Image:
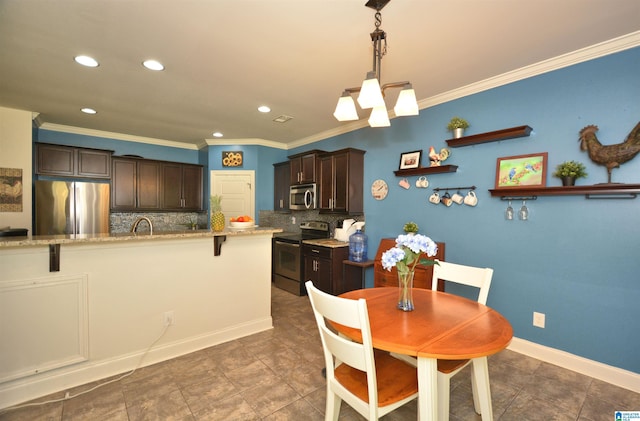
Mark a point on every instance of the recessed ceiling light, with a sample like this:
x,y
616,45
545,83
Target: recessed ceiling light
x,y
264,109
217,134
153,65
89,111
86,61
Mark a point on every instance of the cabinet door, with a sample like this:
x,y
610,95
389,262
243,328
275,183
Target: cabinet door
x,y
148,191
295,166
55,160
303,169
308,169
281,183
94,163
325,279
171,186
325,187
318,271
192,187
340,175
123,184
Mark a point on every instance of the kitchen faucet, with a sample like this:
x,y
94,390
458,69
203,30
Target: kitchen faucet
x,y
134,227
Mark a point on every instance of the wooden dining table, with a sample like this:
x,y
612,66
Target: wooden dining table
x,y
442,326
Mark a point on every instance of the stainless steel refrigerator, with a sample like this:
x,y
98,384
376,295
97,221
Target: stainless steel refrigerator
x,y
63,207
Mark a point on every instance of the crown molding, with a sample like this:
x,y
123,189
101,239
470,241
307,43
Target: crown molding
x,y
246,141
117,136
592,52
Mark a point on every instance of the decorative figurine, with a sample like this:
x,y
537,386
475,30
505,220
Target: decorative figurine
x,y
611,156
437,158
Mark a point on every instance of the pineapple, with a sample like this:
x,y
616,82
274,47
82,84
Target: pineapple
x,y
217,217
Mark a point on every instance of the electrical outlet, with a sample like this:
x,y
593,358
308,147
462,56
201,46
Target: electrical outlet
x,y
538,319
168,318
293,220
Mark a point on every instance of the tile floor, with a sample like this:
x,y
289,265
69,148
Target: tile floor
x,y
276,375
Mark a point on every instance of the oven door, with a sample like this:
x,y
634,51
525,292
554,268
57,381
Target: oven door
x,y
287,266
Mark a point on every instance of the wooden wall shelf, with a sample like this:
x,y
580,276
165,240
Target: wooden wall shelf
x,y
426,170
511,133
615,189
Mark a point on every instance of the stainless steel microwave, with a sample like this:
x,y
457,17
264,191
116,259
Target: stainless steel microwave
x,y
303,196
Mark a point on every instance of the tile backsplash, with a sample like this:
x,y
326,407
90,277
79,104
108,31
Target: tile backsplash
x,y
162,221
270,218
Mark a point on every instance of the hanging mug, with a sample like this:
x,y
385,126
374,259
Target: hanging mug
x,y
422,182
434,198
404,183
457,198
446,200
471,199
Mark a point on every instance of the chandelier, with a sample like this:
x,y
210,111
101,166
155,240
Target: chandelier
x,y
371,94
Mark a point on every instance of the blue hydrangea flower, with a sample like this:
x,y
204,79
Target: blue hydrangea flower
x,y
408,252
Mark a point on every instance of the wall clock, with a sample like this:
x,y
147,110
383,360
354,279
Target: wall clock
x,y
379,189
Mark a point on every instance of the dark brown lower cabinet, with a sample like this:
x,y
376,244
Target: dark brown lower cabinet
x,y
323,266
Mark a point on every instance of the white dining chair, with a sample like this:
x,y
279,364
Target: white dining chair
x,y
475,277
370,381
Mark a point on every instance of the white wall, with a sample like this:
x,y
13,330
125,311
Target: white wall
x,y
118,311
15,152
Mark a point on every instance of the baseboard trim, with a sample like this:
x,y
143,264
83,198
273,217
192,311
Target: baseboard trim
x,y
28,388
616,376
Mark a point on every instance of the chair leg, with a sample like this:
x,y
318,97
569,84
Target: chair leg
x,y
332,409
474,390
444,390
481,374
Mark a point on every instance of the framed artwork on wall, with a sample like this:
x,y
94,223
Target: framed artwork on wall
x,y
522,171
232,159
410,160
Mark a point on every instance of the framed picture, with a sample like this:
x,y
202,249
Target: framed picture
x,y
232,158
522,171
410,160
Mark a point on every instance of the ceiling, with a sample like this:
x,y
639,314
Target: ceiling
x,y
224,58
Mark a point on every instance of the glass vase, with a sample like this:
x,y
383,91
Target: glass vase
x,y
405,291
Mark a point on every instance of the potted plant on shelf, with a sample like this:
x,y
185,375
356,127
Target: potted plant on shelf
x,y
410,228
457,126
569,171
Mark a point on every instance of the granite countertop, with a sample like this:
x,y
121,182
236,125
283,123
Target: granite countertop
x,y
326,242
39,240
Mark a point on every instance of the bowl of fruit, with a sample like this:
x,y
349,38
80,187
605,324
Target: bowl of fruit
x,y
243,221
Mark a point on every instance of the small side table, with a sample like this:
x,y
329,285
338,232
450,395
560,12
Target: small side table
x,y
355,270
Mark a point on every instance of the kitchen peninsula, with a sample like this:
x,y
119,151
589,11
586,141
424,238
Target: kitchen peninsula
x,y
113,296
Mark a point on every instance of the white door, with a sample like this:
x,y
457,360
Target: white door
x,y
237,191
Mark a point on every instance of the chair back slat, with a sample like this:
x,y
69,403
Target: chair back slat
x,y
465,275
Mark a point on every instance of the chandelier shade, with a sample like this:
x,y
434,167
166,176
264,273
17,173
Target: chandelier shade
x,y
346,108
379,117
371,95
406,104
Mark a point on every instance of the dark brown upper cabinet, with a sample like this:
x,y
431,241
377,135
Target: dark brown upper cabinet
x,y
69,161
304,167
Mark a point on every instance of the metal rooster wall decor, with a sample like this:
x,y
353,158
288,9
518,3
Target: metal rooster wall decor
x,y
611,156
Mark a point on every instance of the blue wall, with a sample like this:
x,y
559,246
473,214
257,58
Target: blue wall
x,y
576,260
